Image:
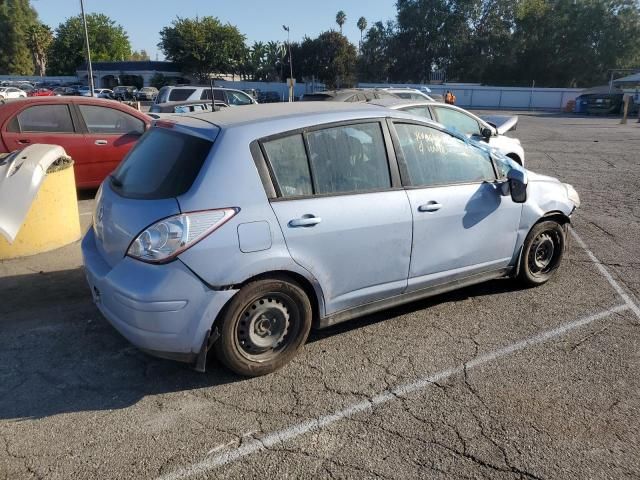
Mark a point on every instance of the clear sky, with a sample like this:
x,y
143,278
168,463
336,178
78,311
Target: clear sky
x,y
258,20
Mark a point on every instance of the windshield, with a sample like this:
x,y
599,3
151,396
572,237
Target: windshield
x,y
163,164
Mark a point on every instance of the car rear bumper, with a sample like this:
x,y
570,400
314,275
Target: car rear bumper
x,y
164,310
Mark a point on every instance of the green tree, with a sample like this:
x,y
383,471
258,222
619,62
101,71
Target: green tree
x,y
108,42
201,46
362,26
330,57
341,18
139,56
39,40
16,17
375,58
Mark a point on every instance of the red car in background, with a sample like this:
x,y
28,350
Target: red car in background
x,y
96,133
40,92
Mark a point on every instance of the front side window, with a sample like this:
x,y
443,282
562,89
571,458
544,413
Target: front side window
x,y
110,121
434,158
349,158
457,120
289,162
46,118
420,111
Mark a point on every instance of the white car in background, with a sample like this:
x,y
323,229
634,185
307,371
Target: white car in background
x,y
12,92
489,129
409,94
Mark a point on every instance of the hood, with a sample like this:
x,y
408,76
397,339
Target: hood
x,y
502,123
537,177
21,174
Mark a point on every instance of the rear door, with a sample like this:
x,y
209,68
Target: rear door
x,y
342,210
110,134
45,123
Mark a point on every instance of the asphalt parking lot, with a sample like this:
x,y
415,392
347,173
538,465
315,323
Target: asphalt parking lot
x,y
492,381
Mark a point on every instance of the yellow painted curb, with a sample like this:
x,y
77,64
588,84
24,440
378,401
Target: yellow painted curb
x,y
52,221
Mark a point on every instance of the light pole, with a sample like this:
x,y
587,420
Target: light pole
x,y
86,40
286,29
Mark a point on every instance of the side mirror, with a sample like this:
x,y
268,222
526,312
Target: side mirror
x,y
486,132
517,185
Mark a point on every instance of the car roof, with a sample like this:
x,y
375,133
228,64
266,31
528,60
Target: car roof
x,y
395,103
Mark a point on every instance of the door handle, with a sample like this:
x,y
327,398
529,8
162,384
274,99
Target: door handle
x,y
100,142
24,141
431,206
305,221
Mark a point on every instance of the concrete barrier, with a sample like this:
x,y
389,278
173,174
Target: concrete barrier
x,y
52,221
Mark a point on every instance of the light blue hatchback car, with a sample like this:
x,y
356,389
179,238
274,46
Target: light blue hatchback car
x,y
237,231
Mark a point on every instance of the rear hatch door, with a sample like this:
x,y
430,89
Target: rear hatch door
x,y
163,165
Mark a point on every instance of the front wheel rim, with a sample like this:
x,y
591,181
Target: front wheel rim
x,y
544,253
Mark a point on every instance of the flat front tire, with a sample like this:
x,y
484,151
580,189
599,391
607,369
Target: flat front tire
x,y
542,253
263,327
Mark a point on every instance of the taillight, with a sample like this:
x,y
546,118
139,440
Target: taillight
x,y
167,238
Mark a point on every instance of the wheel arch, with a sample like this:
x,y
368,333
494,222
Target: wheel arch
x,y
556,215
313,291
515,157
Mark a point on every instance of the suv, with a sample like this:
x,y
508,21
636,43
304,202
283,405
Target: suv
x,y
238,232
230,96
124,92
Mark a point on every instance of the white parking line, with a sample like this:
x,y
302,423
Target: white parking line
x,y
281,436
605,273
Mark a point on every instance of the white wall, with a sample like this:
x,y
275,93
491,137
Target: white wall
x,y
477,96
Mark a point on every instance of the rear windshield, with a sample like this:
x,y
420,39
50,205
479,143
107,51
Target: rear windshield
x,y
163,164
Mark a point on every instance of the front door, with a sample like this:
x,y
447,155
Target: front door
x,y
341,218
463,223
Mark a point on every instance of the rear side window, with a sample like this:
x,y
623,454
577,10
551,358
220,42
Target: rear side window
x,y
110,121
217,95
180,94
163,164
46,118
289,162
349,158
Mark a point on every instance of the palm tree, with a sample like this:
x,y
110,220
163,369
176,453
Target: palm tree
x,y
362,25
341,17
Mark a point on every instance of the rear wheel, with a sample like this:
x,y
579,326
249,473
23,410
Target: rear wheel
x,y
542,253
263,327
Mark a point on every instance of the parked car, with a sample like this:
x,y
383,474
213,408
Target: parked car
x,y
11,92
184,107
40,92
269,96
604,103
67,91
347,95
96,133
147,93
124,92
104,93
230,96
238,231
409,93
489,129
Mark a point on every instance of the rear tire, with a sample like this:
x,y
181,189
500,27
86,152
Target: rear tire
x,y
542,253
263,327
